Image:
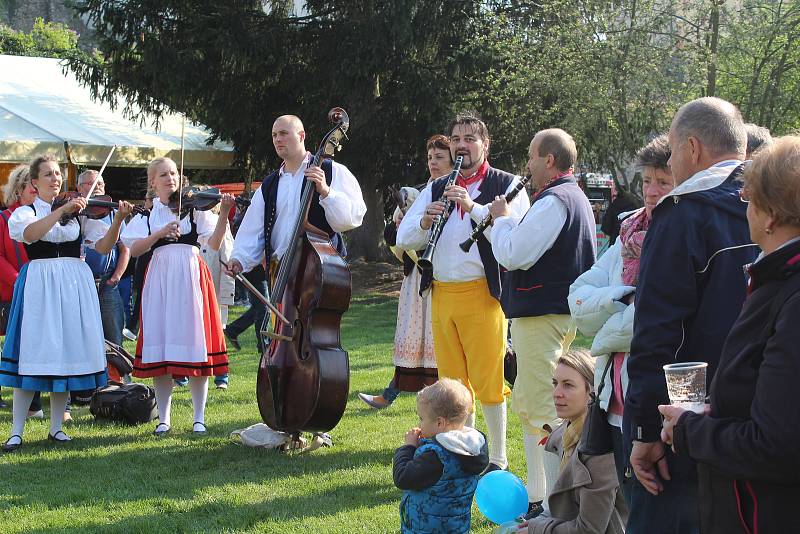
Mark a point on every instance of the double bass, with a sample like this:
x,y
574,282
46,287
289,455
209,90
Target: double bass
x,y
304,374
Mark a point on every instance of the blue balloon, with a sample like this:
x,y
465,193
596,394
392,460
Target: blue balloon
x,y
501,496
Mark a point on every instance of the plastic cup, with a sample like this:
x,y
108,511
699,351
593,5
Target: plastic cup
x,y
686,385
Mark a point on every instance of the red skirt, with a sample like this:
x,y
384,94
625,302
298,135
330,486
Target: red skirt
x,y
217,356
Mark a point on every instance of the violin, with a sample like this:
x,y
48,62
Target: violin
x,y
304,374
196,198
97,207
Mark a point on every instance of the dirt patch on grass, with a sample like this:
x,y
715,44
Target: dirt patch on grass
x,y
376,277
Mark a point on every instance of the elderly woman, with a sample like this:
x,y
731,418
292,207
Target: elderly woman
x,y
746,443
586,496
414,360
17,192
601,299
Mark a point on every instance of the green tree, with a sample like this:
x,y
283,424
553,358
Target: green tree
x,y
759,63
46,39
235,66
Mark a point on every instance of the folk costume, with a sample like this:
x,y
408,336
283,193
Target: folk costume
x,y
266,229
54,337
544,253
181,331
469,327
414,356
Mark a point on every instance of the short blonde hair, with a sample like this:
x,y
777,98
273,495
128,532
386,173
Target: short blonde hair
x,y
772,181
446,398
18,179
582,361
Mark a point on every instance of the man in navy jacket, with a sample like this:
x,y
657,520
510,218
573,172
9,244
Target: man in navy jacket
x,y
691,289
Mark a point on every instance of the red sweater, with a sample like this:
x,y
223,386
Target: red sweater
x,y
9,266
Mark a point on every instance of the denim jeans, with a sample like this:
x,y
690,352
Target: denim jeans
x,y
221,379
111,312
125,287
254,315
391,392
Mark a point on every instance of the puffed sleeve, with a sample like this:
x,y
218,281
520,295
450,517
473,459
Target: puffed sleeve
x,y
344,206
19,220
135,230
206,221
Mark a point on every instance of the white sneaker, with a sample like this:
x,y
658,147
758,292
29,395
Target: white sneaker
x,y
222,385
128,334
36,415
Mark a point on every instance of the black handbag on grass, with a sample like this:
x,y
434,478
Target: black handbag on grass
x,y
596,438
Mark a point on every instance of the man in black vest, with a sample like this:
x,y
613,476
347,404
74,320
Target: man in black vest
x,y
266,229
544,253
468,323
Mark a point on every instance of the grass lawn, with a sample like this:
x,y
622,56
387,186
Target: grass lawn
x,y
115,478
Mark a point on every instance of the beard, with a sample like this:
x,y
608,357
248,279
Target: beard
x,y
467,162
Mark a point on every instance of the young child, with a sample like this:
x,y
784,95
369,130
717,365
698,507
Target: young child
x,y
439,465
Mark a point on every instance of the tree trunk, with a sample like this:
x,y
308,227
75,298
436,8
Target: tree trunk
x,y
711,87
363,242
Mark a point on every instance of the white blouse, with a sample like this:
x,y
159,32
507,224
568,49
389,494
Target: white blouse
x,y
344,210
25,215
160,216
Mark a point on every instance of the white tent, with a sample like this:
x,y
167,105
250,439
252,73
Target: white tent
x,y
42,107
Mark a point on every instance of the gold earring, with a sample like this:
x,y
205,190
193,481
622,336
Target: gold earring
x,y
768,230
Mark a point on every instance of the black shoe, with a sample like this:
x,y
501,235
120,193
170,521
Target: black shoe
x,y
162,429
233,341
11,447
199,431
55,437
534,509
3,404
493,467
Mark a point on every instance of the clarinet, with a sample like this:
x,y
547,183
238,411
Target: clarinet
x,y
484,224
425,261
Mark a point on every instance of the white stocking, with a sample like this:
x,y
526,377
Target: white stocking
x,y
198,385
495,417
58,404
534,456
470,422
163,387
22,401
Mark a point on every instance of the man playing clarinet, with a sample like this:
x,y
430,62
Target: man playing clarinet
x,y
469,326
544,253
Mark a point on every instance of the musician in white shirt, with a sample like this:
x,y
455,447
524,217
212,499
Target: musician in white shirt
x,y
267,227
469,327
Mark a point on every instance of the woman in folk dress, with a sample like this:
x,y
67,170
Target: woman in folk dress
x,y
47,349
181,331
414,360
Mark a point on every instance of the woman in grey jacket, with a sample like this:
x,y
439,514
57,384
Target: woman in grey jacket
x,y
586,497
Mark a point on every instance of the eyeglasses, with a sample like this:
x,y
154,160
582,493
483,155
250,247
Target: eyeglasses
x,y
744,195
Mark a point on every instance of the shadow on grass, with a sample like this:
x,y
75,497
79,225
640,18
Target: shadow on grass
x,y
211,516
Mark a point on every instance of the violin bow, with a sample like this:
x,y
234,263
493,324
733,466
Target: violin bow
x,y
180,174
246,283
99,174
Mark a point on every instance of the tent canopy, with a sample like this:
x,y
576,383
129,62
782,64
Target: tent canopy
x,y
41,108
